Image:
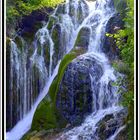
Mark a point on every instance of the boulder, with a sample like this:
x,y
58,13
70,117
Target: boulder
x,y
122,135
46,115
83,38
107,126
109,47
74,98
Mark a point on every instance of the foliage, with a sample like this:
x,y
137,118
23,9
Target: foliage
x,y
18,8
125,41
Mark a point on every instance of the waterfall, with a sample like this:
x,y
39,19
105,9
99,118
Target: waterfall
x,y
24,69
22,75
107,100
31,65
24,125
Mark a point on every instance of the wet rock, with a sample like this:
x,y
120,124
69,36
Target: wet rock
x,y
59,49
122,135
29,24
83,11
74,98
52,21
32,22
46,115
61,9
83,38
110,124
109,43
8,66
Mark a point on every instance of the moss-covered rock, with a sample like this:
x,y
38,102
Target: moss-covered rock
x,y
52,21
74,97
59,49
61,9
83,38
47,116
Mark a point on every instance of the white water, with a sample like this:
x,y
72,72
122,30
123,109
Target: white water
x,y
99,14
29,71
107,101
87,129
25,124
22,79
44,37
116,133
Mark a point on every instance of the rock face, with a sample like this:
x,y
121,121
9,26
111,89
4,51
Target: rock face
x,y
122,135
38,50
83,38
47,116
29,24
8,66
59,49
109,45
110,124
74,98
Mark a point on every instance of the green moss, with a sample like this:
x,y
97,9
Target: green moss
x,y
56,38
78,40
47,54
30,51
52,21
83,37
47,116
55,85
28,135
39,49
19,43
7,41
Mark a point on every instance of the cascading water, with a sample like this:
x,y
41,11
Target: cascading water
x,y
107,100
94,15
21,83
22,76
29,72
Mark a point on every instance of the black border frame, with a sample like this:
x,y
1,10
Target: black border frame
x,y
3,45
137,62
